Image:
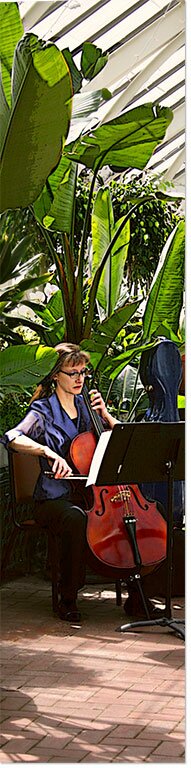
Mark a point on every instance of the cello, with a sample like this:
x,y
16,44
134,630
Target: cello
x,y
126,533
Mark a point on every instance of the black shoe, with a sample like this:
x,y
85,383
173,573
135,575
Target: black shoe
x,y
68,611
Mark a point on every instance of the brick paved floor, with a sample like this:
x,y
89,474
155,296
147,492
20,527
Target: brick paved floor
x,y
87,693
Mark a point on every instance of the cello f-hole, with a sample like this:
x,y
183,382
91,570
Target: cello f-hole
x,y
142,506
100,512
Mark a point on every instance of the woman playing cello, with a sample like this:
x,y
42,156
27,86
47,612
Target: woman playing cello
x,y
56,415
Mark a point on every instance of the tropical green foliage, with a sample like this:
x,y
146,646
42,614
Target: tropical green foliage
x,y
151,223
16,224
11,32
67,308
51,316
103,230
160,317
87,289
24,366
126,141
37,86
41,89
12,409
168,282
19,274
132,132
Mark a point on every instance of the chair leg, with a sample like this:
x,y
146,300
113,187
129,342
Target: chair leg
x,y
8,551
54,597
53,552
29,548
118,592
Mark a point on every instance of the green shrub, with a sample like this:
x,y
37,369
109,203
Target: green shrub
x,y
12,410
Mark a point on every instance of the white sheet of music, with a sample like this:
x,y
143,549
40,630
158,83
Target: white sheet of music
x,y
98,456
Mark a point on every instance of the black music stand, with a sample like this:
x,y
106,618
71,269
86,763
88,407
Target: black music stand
x,y
148,452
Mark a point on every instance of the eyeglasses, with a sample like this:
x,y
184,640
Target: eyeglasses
x,y
75,374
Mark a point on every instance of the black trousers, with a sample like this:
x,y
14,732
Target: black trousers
x,y
68,523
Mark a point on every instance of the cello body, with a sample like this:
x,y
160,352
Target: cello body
x,y
114,512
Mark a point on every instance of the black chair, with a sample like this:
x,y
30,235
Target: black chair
x,y
23,473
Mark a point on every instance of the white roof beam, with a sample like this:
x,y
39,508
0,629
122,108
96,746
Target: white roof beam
x,y
38,11
177,125
84,14
140,47
163,77
173,169
142,78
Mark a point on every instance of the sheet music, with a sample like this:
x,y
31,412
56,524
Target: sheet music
x,y
98,456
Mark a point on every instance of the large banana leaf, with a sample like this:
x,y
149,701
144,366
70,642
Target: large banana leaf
x,y
49,312
10,322
106,332
92,60
17,277
84,104
164,329
116,364
127,141
55,206
165,298
15,293
52,315
11,336
25,365
5,112
12,260
11,32
103,229
38,123
96,279
75,73
24,269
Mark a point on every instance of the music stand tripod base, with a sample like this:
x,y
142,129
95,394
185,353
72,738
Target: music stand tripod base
x,y
173,624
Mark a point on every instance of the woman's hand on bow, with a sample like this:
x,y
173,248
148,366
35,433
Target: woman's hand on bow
x,y
59,466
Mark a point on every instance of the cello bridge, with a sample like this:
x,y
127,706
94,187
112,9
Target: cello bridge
x,y
123,495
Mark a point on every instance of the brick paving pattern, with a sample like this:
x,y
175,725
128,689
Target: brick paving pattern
x,y
86,693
